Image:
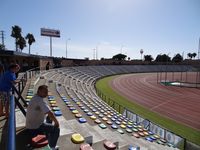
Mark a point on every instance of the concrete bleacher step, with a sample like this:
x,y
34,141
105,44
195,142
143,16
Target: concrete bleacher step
x,y
111,136
126,140
85,130
65,129
20,118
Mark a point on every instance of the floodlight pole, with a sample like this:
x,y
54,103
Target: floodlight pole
x,y
121,49
96,52
66,45
51,46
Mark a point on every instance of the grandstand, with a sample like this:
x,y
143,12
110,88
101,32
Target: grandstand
x,y
83,112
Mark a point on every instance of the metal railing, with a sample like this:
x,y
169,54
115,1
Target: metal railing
x,y
11,145
14,100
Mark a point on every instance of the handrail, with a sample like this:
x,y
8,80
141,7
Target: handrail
x,y
11,134
11,144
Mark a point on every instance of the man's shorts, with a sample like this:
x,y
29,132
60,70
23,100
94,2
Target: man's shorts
x,y
4,97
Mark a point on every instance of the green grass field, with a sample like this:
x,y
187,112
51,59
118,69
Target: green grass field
x,y
189,133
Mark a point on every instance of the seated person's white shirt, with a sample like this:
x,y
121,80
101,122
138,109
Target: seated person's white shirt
x,y
36,112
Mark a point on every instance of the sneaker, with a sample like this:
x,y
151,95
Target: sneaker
x,y
55,148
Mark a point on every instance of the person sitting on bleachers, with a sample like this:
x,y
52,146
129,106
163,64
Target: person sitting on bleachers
x,y
35,117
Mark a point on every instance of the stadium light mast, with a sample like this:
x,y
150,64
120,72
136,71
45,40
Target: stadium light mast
x,y
67,45
94,53
121,49
141,52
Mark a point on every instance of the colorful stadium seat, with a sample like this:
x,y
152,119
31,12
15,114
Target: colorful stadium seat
x,y
58,113
86,146
109,145
102,126
77,138
120,131
82,120
39,141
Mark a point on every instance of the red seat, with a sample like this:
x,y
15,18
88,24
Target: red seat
x,y
109,145
86,146
39,141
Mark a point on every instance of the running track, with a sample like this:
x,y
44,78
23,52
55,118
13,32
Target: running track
x,y
178,103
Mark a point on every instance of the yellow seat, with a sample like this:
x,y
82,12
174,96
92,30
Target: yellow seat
x,y
75,111
52,102
156,136
29,97
124,123
77,138
93,117
122,126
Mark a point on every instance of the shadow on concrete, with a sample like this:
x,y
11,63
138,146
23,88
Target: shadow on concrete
x,y
23,139
4,130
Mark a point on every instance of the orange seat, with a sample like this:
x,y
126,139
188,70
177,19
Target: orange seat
x,y
39,141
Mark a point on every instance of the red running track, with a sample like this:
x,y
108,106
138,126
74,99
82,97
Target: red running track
x,y
178,103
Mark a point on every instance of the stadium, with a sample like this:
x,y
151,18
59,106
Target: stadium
x,y
108,104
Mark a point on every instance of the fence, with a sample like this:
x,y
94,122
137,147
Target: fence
x,y
186,79
169,136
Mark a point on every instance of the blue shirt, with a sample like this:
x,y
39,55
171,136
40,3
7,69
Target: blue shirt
x,y
6,81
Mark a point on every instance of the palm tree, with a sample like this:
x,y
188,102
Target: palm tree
x,y
190,55
30,39
21,42
194,55
16,33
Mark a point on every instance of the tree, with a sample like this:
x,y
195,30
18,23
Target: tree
x,y
2,47
163,58
194,55
21,42
30,39
177,58
16,33
148,58
189,55
119,57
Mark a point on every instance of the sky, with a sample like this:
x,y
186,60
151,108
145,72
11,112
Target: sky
x,y
108,26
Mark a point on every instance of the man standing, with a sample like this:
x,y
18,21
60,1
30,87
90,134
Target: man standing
x,y
35,116
6,82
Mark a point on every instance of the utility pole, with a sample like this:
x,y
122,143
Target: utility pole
x,y
199,50
67,45
96,52
2,38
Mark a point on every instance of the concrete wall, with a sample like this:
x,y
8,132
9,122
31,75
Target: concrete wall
x,y
191,146
44,63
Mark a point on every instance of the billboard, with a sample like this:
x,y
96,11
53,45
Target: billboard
x,y
50,32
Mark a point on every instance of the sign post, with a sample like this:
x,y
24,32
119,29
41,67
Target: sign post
x,y
50,33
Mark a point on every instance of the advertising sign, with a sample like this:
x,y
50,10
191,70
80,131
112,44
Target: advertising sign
x,y
50,32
